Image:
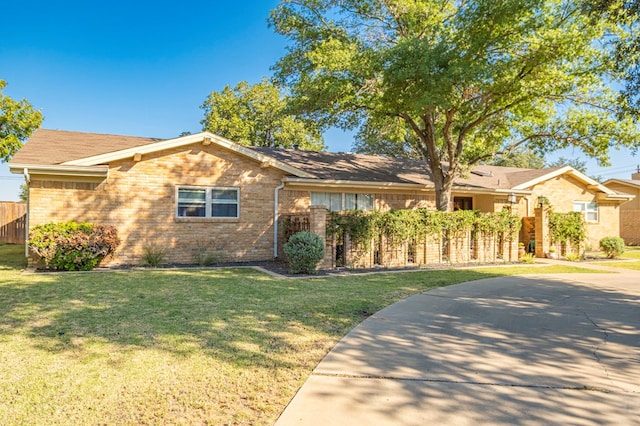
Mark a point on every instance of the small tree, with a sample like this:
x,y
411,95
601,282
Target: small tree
x,y
304,251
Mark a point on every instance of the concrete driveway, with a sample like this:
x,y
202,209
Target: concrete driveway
x,y
547,349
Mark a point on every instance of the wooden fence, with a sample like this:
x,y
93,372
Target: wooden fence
x,y
13,222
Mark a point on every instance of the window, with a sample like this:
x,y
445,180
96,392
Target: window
x,y
463,203
208,202
336,201
589,210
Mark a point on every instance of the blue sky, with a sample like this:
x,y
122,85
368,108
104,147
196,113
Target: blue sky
x,y
144,68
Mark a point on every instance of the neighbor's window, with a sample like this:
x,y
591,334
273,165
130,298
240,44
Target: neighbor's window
x,y
336,201
208,202
589,210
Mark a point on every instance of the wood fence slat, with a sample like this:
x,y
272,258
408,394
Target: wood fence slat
x,y
13,222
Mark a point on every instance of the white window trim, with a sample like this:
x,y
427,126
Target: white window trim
x,y
585,212
208,201
343,198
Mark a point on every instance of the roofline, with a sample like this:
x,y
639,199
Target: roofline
x,y
341,183
205,137
59,170
623,182
564,170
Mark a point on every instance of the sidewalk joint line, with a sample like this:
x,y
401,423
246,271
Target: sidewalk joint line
x,y
461,382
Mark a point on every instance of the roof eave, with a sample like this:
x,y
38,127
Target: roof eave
x,y
59,170
342,183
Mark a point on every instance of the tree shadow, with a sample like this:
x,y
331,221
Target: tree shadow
x,y
519,349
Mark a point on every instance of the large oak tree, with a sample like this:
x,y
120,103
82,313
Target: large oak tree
x,y
454,82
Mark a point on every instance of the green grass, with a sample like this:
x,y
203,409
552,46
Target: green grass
x,y
179,346
631,259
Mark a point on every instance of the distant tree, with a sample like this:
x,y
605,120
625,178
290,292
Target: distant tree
x,y
577,163
258,116
18,120
187,133
24,193
522,157
456,82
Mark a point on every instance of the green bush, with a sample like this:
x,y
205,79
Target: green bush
x,y
528,258
304,251
72,246
612,246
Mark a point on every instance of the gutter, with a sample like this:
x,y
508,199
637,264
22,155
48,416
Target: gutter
x,y
27,179
275,219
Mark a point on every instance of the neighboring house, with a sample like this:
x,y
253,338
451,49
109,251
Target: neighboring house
x,y
202,192
629,212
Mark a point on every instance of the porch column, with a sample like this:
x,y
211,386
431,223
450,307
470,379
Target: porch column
x,y
542,231
318,225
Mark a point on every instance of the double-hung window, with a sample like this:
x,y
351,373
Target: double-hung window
x,y
212,202
336,201
588,209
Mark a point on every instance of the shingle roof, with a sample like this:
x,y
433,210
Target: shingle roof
x,y
46,147
373,168
55,147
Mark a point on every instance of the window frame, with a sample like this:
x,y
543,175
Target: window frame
x,y
584,209
209,201
343,199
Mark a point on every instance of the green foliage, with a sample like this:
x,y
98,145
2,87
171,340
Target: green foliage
x,y
153,255
613,247
257,116
523,157
72,246
17,121
528,258
573,256
24,192
419,224
567,228
456,82
304,251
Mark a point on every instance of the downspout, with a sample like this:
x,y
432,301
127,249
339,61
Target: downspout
x,y
275,219
27,179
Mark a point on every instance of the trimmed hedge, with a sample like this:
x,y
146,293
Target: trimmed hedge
x,y
72,246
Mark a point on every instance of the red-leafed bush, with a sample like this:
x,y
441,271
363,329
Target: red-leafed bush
x,y
72,246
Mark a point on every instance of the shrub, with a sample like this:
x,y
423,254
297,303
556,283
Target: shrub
x,y
153,255
304,251
72,246
612,246
528,258
572,257
207,259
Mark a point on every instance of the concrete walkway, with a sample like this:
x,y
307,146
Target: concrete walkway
x,y
530,350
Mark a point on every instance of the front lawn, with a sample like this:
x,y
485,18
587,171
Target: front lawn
x,y
217,346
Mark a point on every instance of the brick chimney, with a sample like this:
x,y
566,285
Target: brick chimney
x,y
636,175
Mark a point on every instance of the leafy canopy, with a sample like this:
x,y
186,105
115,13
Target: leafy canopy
x,y
18,120
257,115
454,83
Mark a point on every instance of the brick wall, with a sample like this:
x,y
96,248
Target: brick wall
x,y
562,191
139,199
630,226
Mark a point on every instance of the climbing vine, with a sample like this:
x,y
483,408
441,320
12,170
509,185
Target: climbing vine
x,y
419,224
567,227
